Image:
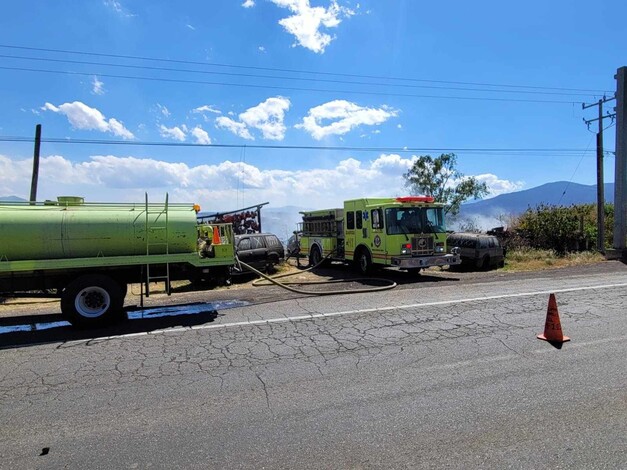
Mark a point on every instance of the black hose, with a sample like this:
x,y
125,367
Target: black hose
x,y
268,280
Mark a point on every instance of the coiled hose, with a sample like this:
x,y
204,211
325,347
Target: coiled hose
x,y
269,280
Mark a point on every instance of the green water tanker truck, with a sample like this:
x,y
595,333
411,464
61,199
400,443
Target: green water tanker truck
x,y
86,254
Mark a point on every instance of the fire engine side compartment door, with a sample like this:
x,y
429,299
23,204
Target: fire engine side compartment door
x,y
349,230
377,236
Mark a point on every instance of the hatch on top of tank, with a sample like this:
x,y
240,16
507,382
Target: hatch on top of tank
x,y
70,200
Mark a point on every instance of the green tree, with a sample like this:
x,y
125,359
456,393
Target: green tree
x,y
438,177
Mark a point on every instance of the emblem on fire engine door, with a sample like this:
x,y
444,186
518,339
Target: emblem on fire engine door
x,y
377,241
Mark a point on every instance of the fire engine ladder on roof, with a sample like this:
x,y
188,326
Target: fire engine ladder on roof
x,y
157,243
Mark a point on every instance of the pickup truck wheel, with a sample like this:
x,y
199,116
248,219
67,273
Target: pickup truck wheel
x,y
92,300
273,260
364,262
485,265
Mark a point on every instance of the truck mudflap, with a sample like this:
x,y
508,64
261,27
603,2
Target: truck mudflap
x,y
412,262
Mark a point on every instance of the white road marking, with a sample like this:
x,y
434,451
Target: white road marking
x,y
350,312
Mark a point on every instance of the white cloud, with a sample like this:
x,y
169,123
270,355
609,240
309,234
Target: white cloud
x,y
498,186
262,49
190,27
237,128
117,7
207,108
216,186
266,117
97,87
392,164
201,135
345,116
83,117
175,133
165,111
248,3
306,22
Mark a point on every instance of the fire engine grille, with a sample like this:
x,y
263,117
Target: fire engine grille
x,y
422,245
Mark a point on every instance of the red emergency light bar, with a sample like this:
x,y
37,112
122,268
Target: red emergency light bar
x,y
415,199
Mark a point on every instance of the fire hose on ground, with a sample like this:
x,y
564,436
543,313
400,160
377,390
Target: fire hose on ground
x,y
269,280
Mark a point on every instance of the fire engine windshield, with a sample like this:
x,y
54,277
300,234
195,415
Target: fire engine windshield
x,y
414,220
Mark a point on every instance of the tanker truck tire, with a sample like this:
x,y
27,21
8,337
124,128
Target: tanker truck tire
x,y
92,300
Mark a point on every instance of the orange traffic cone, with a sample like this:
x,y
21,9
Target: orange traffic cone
x,y
553,327
216,236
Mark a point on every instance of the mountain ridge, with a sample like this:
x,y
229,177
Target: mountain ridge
x,y
557,193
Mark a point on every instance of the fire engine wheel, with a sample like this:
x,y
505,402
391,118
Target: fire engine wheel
x,y
364,262
315,257
92,300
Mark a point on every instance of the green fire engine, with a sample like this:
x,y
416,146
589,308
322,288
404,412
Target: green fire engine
x,y
405,232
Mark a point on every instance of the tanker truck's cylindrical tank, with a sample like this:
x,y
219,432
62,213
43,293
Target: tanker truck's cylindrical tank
x,y
81,230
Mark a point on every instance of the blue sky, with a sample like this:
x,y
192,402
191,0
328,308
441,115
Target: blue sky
x,y
312,73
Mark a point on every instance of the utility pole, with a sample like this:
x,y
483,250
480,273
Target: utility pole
x,y
620,178
600,179
33,184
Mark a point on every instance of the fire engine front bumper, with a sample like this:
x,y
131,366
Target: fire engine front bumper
x,y
413,262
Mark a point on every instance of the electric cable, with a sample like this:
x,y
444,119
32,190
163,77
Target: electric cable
x,y
284,88
338,74
210,72
574,172
512,151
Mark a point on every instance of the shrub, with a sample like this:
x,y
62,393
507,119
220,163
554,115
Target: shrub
x,y
563,229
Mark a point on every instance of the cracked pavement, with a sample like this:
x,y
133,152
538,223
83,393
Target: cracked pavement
x,y
389,386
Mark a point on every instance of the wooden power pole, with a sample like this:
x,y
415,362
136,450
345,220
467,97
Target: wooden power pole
x,y
33,184
600,179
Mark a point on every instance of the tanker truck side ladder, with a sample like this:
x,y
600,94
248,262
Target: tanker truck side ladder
x,y
160,225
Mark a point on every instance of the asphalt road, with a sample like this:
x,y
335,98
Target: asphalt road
x,y
440,373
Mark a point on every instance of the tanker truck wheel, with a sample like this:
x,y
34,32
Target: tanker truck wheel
x,y
92,300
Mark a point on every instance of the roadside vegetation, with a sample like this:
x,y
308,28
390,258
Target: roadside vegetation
x,y
561,229
555,236
533,259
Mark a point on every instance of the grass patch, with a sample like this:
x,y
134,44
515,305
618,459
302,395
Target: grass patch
x,y
536,260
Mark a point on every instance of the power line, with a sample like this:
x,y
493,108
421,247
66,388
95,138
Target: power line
x,y
283,88
516,151
273,77
574,172
337,74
